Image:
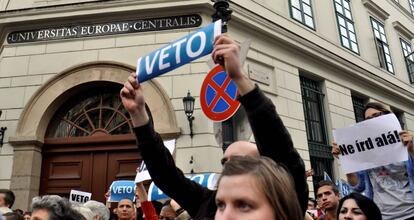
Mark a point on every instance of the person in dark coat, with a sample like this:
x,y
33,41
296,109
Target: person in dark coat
x,y
272,138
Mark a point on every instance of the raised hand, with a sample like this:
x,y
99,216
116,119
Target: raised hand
x,y
132,96
335,150
226,52
407,139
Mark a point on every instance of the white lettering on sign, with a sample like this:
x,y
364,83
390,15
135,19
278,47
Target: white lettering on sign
x,y
163,56
202,37
123,189
177,46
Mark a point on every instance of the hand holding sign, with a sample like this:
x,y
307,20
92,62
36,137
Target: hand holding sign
x,y
178,53
372,143
227,53
132,97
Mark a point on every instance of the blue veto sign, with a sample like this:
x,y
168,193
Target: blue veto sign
x,y
122,189
218,96
178,53
208,180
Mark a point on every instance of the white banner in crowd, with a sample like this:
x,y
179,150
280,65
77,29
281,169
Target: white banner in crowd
x,y
142,172
371,143
79,196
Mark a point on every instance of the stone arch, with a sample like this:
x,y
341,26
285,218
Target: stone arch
x,y
40,109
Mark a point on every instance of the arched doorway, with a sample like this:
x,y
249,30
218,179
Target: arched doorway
x,y
89,143
36,142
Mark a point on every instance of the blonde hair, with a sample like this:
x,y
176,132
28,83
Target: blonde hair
x,y
272,179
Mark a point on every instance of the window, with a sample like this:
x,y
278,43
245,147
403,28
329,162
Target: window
x,y
346,25
409,58
411,3
91,114
400,116
319,150
301,10
359,105
383,49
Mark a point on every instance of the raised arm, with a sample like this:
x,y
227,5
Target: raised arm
x,y
272,138
158,159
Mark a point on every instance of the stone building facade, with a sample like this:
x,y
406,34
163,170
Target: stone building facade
x,y
319,62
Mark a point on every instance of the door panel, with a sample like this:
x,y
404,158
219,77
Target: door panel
x,y
86,171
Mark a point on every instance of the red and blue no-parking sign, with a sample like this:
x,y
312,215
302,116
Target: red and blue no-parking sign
x,y
218,96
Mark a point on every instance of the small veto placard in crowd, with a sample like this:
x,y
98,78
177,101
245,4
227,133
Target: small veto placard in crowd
x,y
79,196
142,171
178,53
208,180
122,189
371,143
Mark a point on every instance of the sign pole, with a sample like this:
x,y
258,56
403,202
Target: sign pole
x,y
223,12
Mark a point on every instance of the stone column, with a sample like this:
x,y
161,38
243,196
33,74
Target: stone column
x,y
25,179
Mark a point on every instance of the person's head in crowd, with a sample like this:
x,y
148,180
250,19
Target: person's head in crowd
x,y
18,211
311,204
84,211
256,188
240,148
13,216
125,209
53,207
167,212
358,207
99,209
375,109
27,215
328,195
6,198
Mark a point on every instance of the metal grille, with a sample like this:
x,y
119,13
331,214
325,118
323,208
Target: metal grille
x,y
95,113
319,150
358,104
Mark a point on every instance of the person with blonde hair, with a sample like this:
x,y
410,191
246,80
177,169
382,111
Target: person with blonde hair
x,y
256,188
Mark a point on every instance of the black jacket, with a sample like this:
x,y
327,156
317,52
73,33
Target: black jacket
x,y
272,139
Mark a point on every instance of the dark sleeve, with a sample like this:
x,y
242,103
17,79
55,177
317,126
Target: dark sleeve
x,y
273,139
165,174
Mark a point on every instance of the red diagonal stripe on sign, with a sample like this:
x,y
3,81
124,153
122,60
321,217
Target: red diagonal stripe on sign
x,y
220,93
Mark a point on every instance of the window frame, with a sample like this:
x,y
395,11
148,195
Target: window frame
x,y
407,54
346,20
319,151
302,13
358,105
411,3
382,46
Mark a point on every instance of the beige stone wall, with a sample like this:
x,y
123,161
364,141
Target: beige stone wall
x,y
281,49
340,114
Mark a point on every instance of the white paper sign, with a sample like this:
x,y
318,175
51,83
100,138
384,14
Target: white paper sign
x,y
79,196
142,172
371,143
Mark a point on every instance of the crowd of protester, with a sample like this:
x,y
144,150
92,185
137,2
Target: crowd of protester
x,y
265,180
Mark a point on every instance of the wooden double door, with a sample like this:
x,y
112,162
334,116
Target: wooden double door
x,y
89,167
